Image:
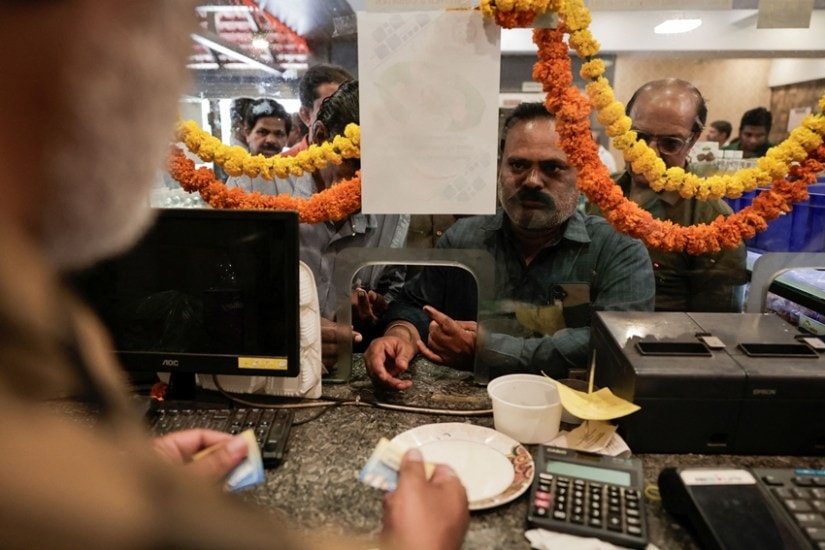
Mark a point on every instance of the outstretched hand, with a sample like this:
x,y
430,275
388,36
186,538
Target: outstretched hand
x,y
451,342
425,514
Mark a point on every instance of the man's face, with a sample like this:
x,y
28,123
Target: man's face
x,y
713,134
309,116
752,137
537,186
664,118
268,136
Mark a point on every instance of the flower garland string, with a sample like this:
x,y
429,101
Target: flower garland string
x,y
611,113
572,110
236,161
801,156
333,204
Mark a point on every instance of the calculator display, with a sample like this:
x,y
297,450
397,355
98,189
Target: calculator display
x,y
601,475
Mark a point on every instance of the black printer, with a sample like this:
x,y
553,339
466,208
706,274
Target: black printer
x,y
737,383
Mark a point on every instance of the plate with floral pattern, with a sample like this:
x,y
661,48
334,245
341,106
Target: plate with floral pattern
x,y
494,468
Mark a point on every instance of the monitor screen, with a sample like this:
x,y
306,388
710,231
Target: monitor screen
x,y
205,291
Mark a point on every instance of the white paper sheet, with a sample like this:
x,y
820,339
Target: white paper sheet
x,y
429,84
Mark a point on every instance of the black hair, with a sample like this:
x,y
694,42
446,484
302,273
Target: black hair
x,y
260,108
759,116
316,76
340,109
701,106
722,126
523,111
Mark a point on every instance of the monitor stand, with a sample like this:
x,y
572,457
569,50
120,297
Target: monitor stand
x,y
181,387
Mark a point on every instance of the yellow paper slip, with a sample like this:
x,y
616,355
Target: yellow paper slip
x,y
599,405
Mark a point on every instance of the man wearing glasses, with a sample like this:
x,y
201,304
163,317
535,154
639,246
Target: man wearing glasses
x,y
669,115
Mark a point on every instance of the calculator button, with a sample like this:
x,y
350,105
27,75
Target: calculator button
x,y
541,512
634,521
560,515
632,513
595,522
803,481
632,505
797,505
801,493
782,492
810,520
816,534
818,505
635,531
772,480
614,523
577,518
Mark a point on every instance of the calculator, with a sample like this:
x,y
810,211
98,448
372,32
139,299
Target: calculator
x,y
589,495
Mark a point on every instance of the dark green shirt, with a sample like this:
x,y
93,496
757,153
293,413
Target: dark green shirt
x,y
685,282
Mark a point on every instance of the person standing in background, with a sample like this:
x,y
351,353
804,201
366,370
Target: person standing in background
x,y
669,115
719,131
753,134
267,127
105,78
318,83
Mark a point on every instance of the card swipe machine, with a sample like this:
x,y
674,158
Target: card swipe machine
x,y
734,509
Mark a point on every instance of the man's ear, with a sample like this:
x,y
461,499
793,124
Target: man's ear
x,y
305,114
318,133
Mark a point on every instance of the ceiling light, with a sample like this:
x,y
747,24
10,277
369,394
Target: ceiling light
x,y
260,42
674,26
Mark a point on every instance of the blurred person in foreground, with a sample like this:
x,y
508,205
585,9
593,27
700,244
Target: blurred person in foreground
x,y
72,197
554,266
669,115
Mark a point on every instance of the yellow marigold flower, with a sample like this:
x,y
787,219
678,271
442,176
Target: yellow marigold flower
x,y
583,42
592,69
620,127
815,122
807,138
675,178
611,113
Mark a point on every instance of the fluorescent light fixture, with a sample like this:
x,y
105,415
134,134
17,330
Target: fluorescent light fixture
x,y
228,51
675,26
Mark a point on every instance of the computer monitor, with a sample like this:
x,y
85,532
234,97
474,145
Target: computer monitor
x,y
205,291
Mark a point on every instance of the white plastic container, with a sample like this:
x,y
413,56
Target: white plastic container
x,y
526,407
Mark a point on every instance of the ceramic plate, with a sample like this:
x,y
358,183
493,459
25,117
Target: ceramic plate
x,y
494,468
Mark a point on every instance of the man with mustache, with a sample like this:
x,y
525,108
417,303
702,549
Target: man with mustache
x,y
554,266
267,127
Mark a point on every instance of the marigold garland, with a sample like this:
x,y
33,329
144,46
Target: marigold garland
x,y
333,204
611,113
572,109
801,156
236,161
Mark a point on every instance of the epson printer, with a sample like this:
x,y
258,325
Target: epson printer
x,y
738,383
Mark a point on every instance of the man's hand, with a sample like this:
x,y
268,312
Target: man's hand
x,y
329,341
451,342
181,447
425,515
389,356
367,307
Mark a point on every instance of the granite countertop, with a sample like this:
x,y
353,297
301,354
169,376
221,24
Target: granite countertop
x,y
316,485
317,482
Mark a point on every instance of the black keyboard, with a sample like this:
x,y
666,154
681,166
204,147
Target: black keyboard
x,y
271,426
